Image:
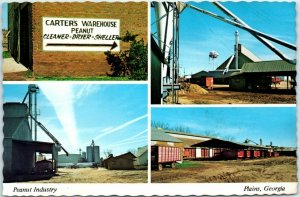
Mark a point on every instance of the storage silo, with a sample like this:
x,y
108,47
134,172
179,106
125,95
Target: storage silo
x,y
16,121
17,157
97,154
89,152
93,154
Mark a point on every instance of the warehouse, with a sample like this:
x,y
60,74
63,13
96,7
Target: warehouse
x,y
142,156
221,77
194,146
260,74
188,140
250,73
70,158
70,38
121,162
223,149
90,158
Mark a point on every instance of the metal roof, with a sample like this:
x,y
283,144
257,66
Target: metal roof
x,y
269,66
43,147
219,143
160,135
244,56
127,155
185,133
141,151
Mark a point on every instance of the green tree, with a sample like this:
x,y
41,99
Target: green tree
x,y
132,62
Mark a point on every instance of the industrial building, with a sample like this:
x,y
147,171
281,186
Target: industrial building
x,y
20,142
142,156
90,158
221,77
121,162
250,72
20,149
193,146
70,38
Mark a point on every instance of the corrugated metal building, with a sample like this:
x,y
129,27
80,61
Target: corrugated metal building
x,y
244,56
19,148
71,158
224,149
251,72
188,140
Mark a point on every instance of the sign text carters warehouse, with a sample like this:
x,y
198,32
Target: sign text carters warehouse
x,y
80,34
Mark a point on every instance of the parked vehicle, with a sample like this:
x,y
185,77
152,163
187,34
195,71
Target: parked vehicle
x,y
162,156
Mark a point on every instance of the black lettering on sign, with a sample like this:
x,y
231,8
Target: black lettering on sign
x,y
81,36
61,22
106,37
99,23
82,30
56,36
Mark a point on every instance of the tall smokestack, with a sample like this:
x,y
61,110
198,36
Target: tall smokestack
x,y
236,49
260,141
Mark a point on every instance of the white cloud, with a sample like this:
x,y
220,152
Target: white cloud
x,y
135,136
115,129
62,99
86,90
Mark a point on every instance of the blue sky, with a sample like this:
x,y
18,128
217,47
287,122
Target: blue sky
x,y
276,124
4,15
115,116
200,34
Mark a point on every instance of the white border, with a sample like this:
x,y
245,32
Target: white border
x,y
151,189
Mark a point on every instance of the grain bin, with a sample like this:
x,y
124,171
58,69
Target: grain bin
x,y
96,154
89,152
93,154
16,121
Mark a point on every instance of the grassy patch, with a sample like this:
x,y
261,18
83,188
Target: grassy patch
x,y
99,78
189,164
6,54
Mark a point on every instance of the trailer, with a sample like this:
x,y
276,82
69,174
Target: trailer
x,y
162,156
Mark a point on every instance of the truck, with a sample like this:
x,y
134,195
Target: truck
x,y
162,156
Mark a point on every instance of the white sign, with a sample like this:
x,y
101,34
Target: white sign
x,y
80,34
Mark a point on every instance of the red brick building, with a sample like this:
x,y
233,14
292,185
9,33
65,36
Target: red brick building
x,y
29,30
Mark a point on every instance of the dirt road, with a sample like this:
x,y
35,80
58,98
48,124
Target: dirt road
x,y
223,95
97,175
280,169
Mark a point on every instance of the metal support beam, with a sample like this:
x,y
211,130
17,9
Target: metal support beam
x,y
49,134
261,39
278,41
35,114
